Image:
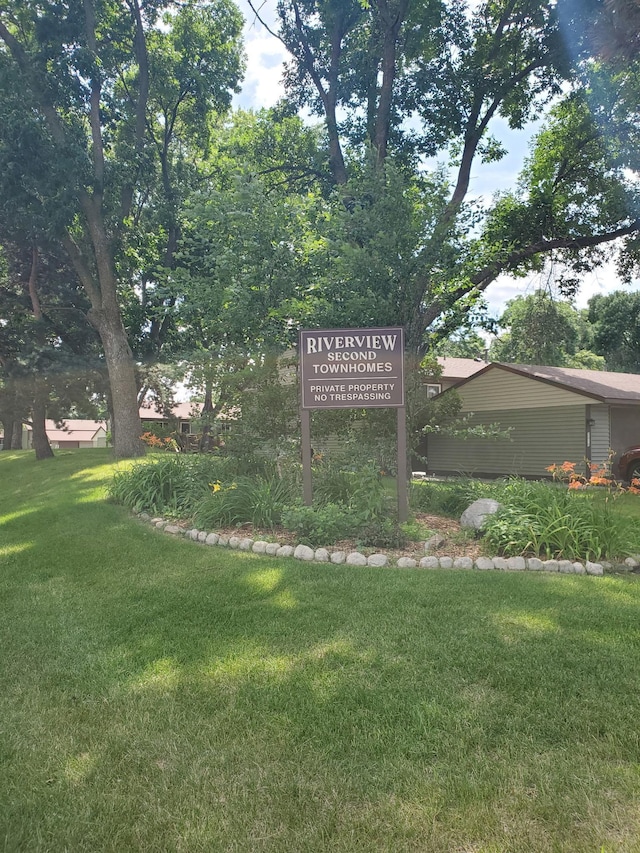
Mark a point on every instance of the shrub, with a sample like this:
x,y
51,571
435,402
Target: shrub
x,y
451,497
172,484
259,501
362,489
382,533
550,522
320,525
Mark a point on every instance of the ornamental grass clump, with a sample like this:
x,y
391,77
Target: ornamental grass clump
x,y
170,484
260,501
549,521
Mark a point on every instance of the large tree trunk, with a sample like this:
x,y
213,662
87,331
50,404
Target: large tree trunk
x,y
39,435
126,428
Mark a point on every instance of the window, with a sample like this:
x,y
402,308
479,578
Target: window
x,y
432,390
185,427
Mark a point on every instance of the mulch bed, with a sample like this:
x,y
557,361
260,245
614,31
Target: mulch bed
x,y
457,543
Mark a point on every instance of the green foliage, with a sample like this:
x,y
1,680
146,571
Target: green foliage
x,y
451,497
550,522
260,501
382,532
172,484
544,330
320,525
616,325
360,487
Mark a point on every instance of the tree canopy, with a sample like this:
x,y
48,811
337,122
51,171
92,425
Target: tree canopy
x,y
201,235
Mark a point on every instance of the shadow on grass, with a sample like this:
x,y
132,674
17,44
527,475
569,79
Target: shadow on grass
x,y
197,698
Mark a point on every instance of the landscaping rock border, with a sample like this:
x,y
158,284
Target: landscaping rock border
x,y
355,558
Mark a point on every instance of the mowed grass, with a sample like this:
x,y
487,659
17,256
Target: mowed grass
x,y
157,695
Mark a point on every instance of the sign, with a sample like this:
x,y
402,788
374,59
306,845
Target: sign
x,y
352,368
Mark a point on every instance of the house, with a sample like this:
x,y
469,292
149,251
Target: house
x,y
71,434
74,434
554,414
183,418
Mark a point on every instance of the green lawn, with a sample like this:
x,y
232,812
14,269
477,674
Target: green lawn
x,y
157,695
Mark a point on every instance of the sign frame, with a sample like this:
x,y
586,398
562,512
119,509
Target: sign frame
x,y
353,369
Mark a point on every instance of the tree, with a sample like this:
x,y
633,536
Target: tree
x,y
616,329
49,358
544,330
395,82
93,101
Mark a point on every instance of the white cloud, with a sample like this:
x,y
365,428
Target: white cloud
x,y
262,85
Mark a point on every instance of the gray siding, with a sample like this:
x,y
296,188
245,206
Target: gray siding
x,y
600,434
539,437
500,389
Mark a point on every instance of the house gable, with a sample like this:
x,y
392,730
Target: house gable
x,y
496,387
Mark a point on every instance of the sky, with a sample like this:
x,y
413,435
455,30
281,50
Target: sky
x,y
262,87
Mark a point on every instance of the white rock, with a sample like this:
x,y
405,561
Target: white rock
x,y
406,563
516,564
446,562
378,560
355,558
246,544
303,552
631,562
463,563
551,566
579,569
212,539
534,564
593,568
565,567
193,534
500,563
338,557
161,523
272,548
202,536
234,542
259,547
484,563
285,551
429,563
475,514
173,529
321,555
223,540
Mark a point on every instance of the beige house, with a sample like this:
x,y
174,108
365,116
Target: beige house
x,y
183,419
554,414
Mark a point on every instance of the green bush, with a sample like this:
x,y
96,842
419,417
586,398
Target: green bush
x,y
173,485
360,489
320,525
550,522
451,497
260,501
381,533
